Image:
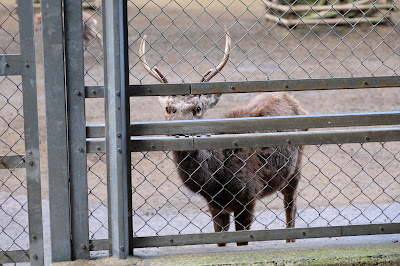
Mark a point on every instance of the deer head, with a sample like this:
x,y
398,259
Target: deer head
x,y
186,107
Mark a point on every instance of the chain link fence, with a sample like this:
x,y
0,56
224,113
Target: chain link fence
x,y
9,43
341,184
94,75
13,184
185,38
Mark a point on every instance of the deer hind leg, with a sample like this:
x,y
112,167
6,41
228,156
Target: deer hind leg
x,y
221,221
243,219
289,199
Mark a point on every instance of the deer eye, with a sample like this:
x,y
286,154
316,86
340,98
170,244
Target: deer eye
x,y
198,110
168,110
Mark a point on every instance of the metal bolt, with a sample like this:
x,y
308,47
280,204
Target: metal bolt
x,y
117,93
35,257
288,141
365,83
119,134
232,87
121,248
366,138
94,92
148,90
251,236
98,148
382,229
171,240
235,144
304,233
29,152
177,136
152,146
30,163
119,150
83,246
286,86
77,92
34,237
7,65
80,149
26,65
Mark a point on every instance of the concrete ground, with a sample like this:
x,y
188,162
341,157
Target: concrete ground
x,y
365,250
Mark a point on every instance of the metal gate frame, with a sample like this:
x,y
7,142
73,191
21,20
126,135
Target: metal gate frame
x,y
24,65
66,129
118,137
66,141
140,142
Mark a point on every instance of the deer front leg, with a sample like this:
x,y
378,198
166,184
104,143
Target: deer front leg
x,y
243,219
221,221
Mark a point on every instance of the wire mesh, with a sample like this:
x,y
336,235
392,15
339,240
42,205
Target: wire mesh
x,y
343,184
185,38
97,185
13,186
9,32
270,40
94,75
93,52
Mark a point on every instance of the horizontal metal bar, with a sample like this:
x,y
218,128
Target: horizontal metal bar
x,y
144,90
11,65
295,85
234,141
265,235
254,86
161,89
12,162
255,235
95,130
99,244
96,145
253,124
14,256
94,91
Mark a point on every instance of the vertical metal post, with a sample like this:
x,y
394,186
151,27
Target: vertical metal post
x,y
31,132
73,30
117,127
57,151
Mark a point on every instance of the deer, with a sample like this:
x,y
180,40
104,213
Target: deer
x,y
231,180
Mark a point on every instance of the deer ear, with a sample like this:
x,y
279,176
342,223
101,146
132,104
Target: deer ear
x,y
163,100
210,100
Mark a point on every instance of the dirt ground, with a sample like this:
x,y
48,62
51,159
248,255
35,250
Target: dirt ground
x,y
342,177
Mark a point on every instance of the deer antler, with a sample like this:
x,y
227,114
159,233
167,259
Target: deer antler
x,y
214,71
154,72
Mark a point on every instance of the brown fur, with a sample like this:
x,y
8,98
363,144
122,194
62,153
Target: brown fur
x,y
231,180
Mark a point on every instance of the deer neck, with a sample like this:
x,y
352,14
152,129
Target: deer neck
x,y
196,169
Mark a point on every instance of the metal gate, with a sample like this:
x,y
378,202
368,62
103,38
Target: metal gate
x,y
347,156
21,231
